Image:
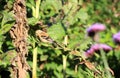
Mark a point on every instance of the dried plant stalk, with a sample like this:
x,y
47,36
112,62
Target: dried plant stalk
x,y
19,33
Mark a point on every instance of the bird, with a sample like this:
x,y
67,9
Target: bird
x,y
43,36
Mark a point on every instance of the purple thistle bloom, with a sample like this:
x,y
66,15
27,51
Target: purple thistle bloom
x,y
97,48
105,47
89,53
92,30
116,38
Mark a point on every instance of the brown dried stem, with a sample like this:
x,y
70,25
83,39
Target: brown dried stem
x,y
19,33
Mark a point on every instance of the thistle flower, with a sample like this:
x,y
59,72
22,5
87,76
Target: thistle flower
x,y
116,38
105,47
97,27
97,48
89,53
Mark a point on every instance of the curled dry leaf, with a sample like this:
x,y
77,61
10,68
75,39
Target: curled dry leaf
x,y
42,66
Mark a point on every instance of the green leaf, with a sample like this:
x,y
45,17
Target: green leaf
x,y
43,57
82,15
7,17
32,21
30,2
58,52
6,28
56,31
50,7
7,57
58,74
51,65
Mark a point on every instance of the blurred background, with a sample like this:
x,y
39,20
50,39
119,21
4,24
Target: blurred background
x,y
64,25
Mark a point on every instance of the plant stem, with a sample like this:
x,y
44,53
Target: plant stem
x,y
37,8
105,64
64,66
34,74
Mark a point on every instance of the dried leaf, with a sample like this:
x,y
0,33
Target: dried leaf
x,y
91,66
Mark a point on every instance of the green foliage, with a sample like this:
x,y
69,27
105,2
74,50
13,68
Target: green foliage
x,y
7,22
59,18
7,57
59,32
